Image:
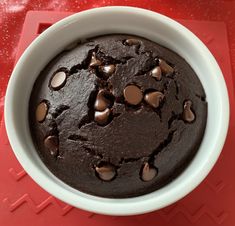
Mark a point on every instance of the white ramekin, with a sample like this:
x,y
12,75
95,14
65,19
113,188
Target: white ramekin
x,y
108,20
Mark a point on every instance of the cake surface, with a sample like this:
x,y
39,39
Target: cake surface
x,y
117,116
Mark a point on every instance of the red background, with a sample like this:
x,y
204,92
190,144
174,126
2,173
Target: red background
x,y
22,202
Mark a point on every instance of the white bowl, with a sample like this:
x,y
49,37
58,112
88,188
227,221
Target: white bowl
x,y
155,27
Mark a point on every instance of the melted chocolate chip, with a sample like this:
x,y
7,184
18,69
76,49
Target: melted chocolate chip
x,y
58,80
41,111
188,115
94,61
157,73
148,172
101,102
165,67
107,70
101,117
131,42
52,144
106,172
133,94
154,98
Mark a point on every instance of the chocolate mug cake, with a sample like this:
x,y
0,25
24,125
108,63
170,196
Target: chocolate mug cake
x,y
117,115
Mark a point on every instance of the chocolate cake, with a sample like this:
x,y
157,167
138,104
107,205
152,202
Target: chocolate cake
x,y
117,115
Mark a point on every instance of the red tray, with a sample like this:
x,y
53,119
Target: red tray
x,y
212,203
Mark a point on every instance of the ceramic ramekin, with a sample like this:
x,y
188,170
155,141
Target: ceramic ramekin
x,y
155,27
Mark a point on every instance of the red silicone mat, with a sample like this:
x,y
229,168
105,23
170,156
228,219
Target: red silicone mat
x,y
23,202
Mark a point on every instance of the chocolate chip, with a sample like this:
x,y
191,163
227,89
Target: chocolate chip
x,y
101,102
133,94
94,61
157,73
148,172
58,80
107,69
165,67
154,98
41,111
106,172
188,115
52,144
101,117
131,41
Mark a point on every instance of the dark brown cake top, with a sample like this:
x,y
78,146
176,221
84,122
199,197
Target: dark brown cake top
x,y
117,116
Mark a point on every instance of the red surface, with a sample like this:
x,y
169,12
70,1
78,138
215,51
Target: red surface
x,y
22,202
